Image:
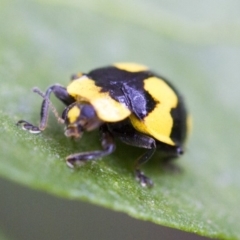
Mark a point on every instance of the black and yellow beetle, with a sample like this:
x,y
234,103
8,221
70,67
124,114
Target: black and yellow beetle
x,y
126,101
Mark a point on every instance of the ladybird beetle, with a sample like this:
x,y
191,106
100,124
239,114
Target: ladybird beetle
x,y
125,101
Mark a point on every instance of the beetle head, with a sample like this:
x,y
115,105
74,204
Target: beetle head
x,y
80,117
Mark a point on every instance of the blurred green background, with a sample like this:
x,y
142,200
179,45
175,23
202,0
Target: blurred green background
x,y
194,44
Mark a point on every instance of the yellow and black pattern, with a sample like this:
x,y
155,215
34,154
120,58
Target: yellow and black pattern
x,y
125,101
131,90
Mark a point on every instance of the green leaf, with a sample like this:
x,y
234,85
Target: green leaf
x,y
3,237
195,44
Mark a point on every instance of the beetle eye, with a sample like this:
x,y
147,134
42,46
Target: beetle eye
x,y
88,111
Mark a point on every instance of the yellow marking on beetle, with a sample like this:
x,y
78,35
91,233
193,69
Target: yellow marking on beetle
x,y
107,109
73,114
76,76
159,122
189,126
130,67
189,123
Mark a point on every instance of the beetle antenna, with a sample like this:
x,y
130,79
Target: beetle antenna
x,y
54,110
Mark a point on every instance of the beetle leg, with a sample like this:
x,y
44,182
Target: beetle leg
x,y
108,146
61,93
127,134
28,126
142,141
140,176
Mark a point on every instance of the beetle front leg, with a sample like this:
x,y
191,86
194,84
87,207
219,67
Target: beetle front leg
x,y
61,93
108,146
